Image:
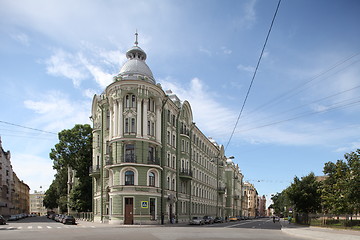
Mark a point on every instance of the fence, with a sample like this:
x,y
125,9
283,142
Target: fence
x,y
326,220
84,216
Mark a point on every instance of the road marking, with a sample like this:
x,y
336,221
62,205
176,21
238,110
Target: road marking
x,y
19,227
48,227
40,227
29,227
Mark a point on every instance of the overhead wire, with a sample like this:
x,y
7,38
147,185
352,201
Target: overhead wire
x,y
30,128
253,77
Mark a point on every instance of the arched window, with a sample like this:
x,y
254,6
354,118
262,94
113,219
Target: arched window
x,y
133,101
129,178
152,179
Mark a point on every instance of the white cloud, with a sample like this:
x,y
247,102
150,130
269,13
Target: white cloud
x,y
351,147
226,51
55,111
204,50
66,65
89,62
246,68
35,171
22,38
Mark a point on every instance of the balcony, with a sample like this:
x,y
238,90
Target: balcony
x,y
221,190
94,170
153,161
130,158
185,174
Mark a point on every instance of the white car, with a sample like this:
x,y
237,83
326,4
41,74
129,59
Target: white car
x,y
197,221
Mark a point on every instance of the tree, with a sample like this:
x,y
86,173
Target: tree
x,y
281,203
341,192
305,194
73,151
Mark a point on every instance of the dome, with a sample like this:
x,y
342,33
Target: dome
x,y
135,68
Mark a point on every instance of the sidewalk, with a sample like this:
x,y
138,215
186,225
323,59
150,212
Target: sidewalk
x,y
319,233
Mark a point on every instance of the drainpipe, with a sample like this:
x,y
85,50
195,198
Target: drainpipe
x,y
163,157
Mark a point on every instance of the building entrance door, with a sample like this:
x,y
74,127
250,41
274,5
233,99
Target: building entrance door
x,y
129,211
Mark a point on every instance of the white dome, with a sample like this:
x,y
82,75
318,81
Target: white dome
x,y
136,66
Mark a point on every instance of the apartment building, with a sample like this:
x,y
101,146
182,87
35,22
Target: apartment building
x,y
151,162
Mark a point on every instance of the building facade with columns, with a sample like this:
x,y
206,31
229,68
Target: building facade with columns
x,y
151,163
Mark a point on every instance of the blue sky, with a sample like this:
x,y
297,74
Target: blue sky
x,y
302,111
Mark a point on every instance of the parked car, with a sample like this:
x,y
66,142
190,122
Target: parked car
x,y
197,221
2,220
13,218
68,220
208,220
233,219
218,220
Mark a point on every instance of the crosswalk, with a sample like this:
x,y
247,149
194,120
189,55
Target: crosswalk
x,y
6,227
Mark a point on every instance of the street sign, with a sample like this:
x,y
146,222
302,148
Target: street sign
x,y
144,204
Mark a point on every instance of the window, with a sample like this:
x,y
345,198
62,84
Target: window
x,y
130,101
129,178
126,126
173,185
152,179
168,183
133,126
133,101
151,154
151,105
130,153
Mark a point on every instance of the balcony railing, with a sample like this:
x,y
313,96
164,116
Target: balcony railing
x,y
154,161
130,158
94,169
221,190
186,173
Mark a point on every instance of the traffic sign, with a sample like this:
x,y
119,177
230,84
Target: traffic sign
x,y
144,204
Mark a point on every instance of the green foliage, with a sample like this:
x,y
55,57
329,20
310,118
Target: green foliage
x,y
281,203
305,194
341,188
74,151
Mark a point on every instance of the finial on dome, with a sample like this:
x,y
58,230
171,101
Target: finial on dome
x,y
136,38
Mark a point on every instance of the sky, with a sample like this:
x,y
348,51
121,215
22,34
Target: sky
x,y
303,108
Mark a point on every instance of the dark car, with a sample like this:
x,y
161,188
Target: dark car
x,y
218,220
208,219
2,220
69,220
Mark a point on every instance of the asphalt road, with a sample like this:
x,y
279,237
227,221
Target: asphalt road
x,y
40,228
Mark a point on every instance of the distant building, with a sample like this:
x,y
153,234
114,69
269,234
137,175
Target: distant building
x,y
151,163
252,195
36,203
262,206
14,193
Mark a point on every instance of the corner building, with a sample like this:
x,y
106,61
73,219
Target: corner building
x,y
151,163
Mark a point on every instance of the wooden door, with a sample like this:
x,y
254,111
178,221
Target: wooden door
x,y
129,211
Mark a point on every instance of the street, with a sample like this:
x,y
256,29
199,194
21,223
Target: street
x,y
43,228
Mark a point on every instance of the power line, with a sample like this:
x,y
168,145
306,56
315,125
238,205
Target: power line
x,y
34,129
333,107
252,80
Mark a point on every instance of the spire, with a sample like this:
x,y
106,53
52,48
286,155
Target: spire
x,y
136,38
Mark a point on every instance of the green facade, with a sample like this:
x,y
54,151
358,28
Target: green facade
x,y
151,163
